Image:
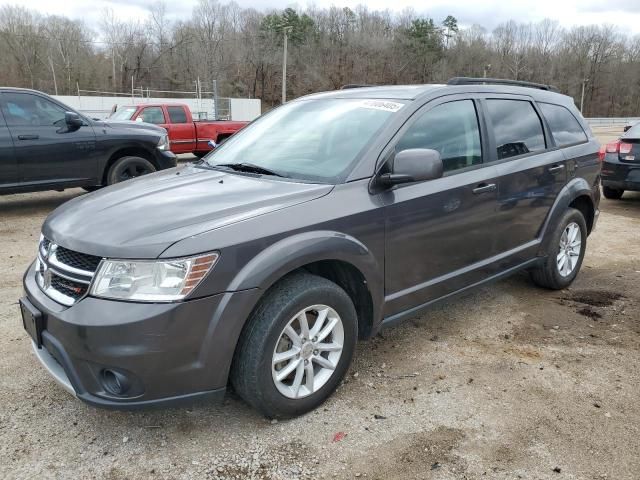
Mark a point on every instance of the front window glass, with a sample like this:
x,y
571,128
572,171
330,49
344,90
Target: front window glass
x,y
25,109
152,115
452,130
124,113
312,140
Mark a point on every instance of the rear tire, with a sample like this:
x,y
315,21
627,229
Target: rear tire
x,y
612,193
127,168
564,254
92,188
271,331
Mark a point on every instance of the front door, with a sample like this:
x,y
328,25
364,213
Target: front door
x,y
8,164
47,151
439,233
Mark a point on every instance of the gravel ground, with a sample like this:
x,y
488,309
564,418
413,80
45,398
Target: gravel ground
x,y
508,382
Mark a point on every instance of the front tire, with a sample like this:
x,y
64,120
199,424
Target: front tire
x,y
296,347
612,193
564,254
127,168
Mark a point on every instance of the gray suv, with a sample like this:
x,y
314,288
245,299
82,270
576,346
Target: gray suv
x,y
326,219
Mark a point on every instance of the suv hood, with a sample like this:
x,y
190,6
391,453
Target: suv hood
x,y
141,218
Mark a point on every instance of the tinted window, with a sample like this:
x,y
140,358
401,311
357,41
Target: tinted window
x,y
177,115
451,129
516,126
152,115
565,128
25,109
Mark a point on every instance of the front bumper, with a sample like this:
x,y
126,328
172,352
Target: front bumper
x,y
168,352
620,175
165,159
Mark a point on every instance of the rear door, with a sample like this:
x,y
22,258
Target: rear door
x,y
439,233
8,164
531,170
182,132
47,151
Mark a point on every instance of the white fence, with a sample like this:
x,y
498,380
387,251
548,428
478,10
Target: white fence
x,y
611,121
239,109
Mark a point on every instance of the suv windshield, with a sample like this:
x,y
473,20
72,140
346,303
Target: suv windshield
x,y
124,113
312,140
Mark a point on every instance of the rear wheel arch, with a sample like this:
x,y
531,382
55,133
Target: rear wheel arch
x,y
576,194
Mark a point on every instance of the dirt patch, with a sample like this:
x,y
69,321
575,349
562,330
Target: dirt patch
x,y
589,313
421,455
595,298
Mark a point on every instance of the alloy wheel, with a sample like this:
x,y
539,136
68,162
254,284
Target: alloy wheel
x,y
307,351
569,250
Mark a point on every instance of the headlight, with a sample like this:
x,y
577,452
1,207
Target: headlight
x,y
151,281
163,143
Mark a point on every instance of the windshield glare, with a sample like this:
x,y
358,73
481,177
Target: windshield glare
x,y
312,140
124,113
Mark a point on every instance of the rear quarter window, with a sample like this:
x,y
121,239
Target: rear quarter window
x,y
565,128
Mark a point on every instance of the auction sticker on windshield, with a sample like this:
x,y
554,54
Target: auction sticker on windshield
x,y
382,105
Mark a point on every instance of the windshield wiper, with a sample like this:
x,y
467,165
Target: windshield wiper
x,y
249,168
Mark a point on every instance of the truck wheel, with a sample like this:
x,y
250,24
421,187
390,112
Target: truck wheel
x,y
565,252
612,193
296,347
127,168
200,154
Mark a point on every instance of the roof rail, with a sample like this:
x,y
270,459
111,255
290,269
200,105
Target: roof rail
x,y
499,81
354,85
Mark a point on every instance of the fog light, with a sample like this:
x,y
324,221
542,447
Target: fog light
x,y
115,382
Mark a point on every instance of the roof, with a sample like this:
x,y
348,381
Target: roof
x,y
396,92
413,92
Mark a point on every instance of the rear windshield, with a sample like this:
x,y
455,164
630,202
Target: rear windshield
x,y
311,140
123,113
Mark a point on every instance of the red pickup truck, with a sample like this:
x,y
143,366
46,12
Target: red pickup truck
x,y
185,134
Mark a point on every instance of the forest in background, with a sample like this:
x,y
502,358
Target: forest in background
x,y
241,49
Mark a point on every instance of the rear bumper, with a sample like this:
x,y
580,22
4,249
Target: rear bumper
x,y
168,353
620,175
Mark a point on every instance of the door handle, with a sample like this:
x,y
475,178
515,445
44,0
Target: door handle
x,y
484,188
556,168
28,137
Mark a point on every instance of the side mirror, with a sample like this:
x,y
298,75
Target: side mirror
x,y
73,120
414,165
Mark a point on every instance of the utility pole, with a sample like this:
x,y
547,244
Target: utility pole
x,y
486,69
286,31
584,82
53,74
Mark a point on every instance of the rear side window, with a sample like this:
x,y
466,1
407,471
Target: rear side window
x,y
516,126
565,128
452,130
152,115
177,115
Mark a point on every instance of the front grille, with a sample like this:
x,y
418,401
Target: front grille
x,y
62,274
70,288
81,261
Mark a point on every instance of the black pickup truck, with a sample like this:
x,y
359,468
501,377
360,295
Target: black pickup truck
x,y
45,145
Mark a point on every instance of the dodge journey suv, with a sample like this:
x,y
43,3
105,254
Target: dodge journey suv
x,y
326,219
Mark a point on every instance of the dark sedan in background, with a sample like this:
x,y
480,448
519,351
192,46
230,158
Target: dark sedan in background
x,y
621,164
